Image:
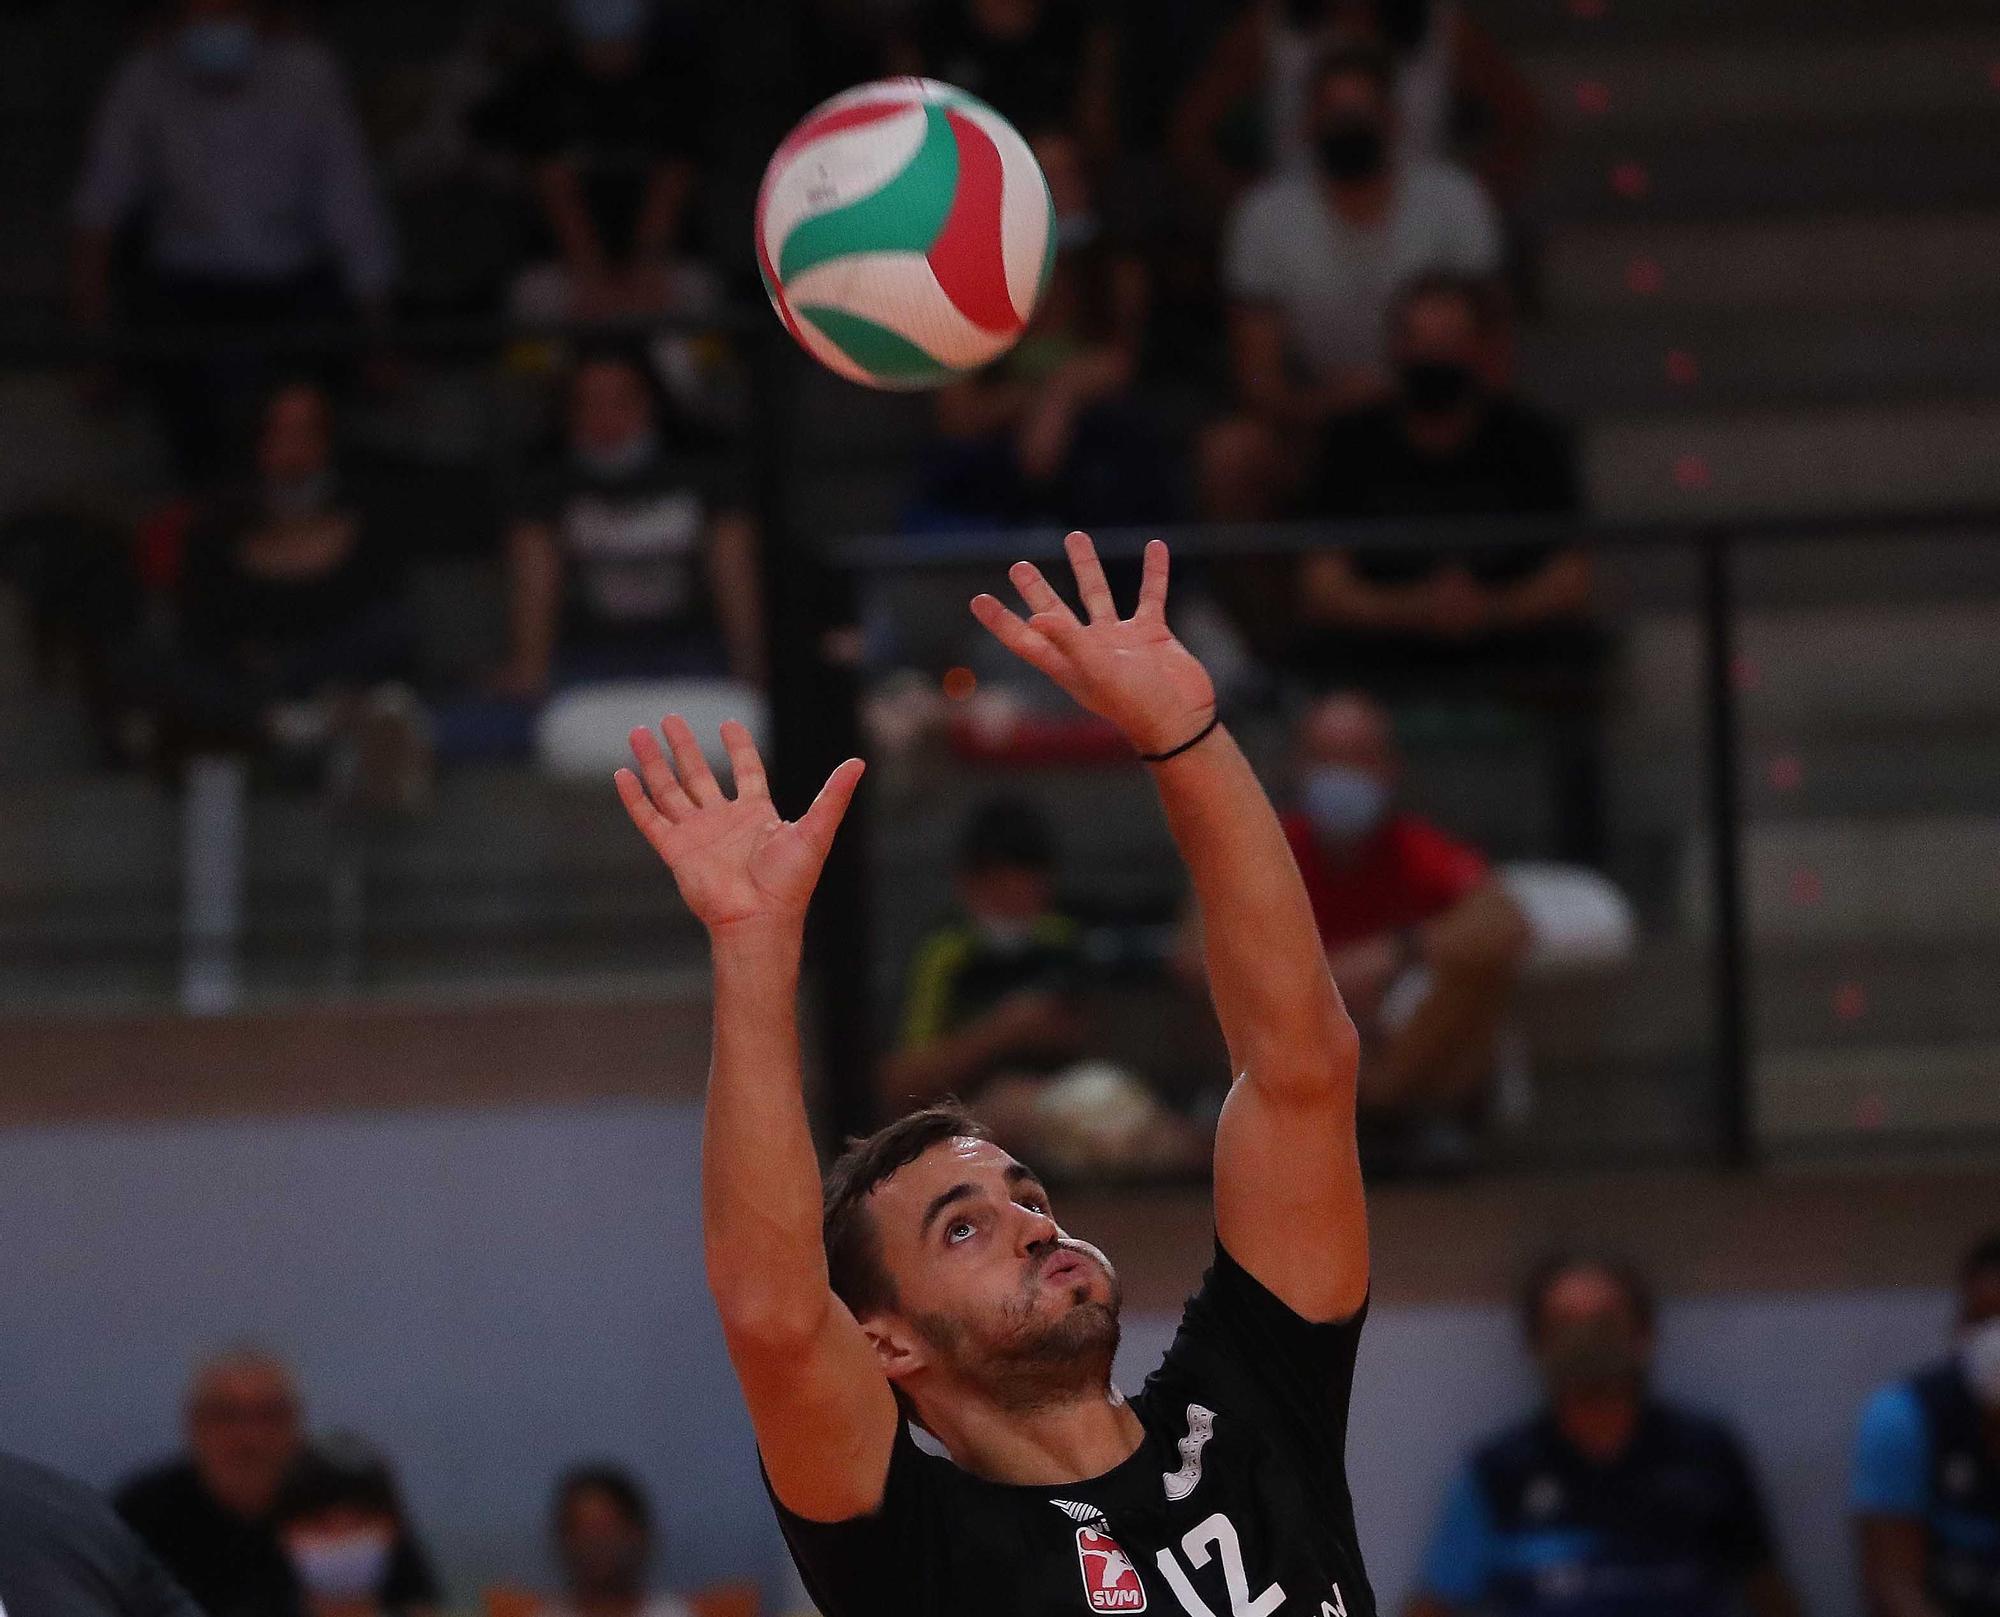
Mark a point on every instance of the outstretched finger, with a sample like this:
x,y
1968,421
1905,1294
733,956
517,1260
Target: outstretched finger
x,y
696,777
1036,590
818,824
661,786
1032,648
653,825
744,763
1153,580
1091,583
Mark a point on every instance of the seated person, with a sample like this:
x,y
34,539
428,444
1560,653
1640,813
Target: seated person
x,y
628,561
231,141
994,1014
341,1522
1506,624
1041,64
605,1542
608,127
1049,432
1926,1489
1608,1500
210,1516
1311,267
1424,942
1445,64
293,632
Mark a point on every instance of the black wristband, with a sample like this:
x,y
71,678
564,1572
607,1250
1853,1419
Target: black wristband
x,y
1174,752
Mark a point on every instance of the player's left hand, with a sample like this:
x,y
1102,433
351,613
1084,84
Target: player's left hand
x,y
1131,671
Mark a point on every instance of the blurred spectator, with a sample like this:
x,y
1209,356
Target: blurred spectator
x,y
1610,1501
65,1553
1448,72
1051,432
1312,267
995,1012
609,127
343,1528
1041,64
1507,625
605,1540
1926,1489
293,631
210,1517
234,148
631,559
1424,942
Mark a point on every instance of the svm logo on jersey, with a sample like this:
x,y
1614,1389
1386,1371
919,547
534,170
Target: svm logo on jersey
x,y
1110,1582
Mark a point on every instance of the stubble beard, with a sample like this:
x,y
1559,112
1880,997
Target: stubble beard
x,y
1030,1362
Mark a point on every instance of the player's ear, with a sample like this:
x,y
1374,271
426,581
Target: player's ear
x,y
898,1349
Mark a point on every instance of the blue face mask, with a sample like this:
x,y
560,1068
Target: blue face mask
x,y
1342,803
218,47
352,1567
607,22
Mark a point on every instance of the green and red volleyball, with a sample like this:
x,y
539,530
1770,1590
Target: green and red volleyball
x,y
905,233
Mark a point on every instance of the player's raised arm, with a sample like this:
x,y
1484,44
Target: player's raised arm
x,y
1288,1200
825,1418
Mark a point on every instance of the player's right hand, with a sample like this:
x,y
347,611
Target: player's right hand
x,y
736,862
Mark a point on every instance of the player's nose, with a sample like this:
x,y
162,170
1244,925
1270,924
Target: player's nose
x,y
1036,1232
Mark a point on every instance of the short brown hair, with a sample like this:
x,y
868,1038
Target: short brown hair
x,y
853,1250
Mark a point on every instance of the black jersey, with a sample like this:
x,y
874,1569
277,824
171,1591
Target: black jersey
x,y
1234,1505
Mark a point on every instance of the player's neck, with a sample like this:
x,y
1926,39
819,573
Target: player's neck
x,y
1063,1443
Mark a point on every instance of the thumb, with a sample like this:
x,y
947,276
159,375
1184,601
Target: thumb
x,y
818,824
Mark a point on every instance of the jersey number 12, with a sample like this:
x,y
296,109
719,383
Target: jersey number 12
x,y
1201,1544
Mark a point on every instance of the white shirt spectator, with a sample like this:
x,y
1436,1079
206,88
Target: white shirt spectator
x,y
1333,281
257,181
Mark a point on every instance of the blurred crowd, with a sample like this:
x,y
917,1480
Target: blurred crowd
x,y
1606,1499
1288,274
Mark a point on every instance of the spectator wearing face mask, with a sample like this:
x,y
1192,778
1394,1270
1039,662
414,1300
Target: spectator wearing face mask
x,y
1311,268
1926,1484
211,1516
1454,87
235,147
631,558
1050,432
1425,944
608,129
605,1541
1609,1501
294,635
1504,624
340,1520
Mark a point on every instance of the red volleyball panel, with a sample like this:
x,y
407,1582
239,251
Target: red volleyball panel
x,y
968,258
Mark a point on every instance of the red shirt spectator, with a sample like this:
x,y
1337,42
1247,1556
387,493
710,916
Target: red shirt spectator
x,y
1405,873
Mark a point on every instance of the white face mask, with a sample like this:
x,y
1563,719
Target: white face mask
x,y
1343,803
1004,936
352,1566
1979,1361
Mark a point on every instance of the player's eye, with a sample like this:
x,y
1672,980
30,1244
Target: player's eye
x,y
960,1231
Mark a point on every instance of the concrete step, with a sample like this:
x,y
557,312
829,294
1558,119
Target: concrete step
x,y
1801,78
1916,879
1834,672
1865,992
1695,360
1788,264
1879,1093
1535,24
1715,465
1726,170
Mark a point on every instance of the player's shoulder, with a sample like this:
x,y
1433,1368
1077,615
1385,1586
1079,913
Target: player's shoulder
x,y
1899,1410
1512,1451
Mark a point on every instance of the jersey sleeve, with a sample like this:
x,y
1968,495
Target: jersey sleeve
x,y
1238,1335
1458,1563
1445,870
874,1563
1891,1456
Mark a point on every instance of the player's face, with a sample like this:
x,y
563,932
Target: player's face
x,y
998,1300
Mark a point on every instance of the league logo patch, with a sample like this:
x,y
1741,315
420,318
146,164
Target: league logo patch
x,y
1110,1582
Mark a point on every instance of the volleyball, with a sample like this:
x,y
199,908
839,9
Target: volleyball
x,y
905,233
